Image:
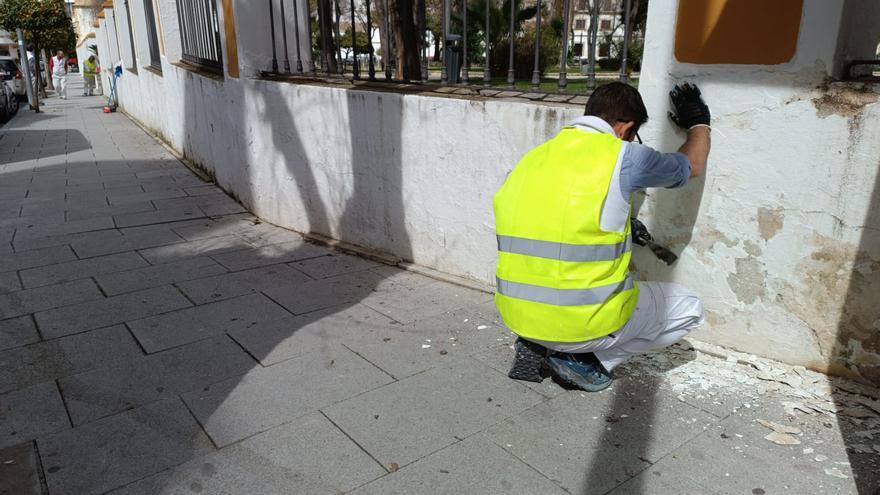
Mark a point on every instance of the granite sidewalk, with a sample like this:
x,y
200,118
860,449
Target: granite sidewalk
x,y
156,338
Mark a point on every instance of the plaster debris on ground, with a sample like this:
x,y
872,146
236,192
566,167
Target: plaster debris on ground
x,y
720,377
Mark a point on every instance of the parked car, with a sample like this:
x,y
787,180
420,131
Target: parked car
x,y
9,65
8,98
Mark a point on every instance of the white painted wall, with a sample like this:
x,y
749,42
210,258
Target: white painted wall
x,y
769,239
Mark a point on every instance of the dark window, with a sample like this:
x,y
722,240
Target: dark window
x,y
130,38
578,49
152,35
604,50
605,25
580,24
200,34
582,5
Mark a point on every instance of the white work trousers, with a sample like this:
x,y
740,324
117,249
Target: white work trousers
x,y
664,314
60,83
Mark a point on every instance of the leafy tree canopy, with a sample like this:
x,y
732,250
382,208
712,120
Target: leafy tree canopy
x,y
45,22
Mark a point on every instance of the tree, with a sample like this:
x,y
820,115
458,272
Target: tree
x,y
45,24
406,40
363,43
325,24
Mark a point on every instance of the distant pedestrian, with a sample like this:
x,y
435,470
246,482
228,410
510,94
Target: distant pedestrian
x,y
90,70
59,74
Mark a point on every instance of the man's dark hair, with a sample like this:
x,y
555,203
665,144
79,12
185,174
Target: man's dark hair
x,y
617,102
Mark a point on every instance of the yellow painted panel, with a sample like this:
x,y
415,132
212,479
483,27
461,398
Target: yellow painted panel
x,y
763,32
231,43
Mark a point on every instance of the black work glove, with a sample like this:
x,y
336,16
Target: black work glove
x,y
690,109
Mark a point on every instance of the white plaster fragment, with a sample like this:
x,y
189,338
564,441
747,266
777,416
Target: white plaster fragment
x,y
837,473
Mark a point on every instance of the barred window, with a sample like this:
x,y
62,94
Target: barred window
x,y
152,35
200,34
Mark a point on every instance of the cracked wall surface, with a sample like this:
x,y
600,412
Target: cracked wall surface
x,y
781,237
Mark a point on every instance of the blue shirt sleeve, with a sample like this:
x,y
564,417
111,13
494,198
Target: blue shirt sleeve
x,y
643,167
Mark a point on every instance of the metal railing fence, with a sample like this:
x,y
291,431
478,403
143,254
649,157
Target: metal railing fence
x,y
368,35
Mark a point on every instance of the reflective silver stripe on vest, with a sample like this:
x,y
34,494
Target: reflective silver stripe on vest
x,y
562,297
562,251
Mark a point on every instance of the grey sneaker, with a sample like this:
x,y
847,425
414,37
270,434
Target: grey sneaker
x,y
580,370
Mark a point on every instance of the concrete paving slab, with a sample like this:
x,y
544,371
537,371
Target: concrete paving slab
x,y
407,304
270,255
90,247
275,341
404,350
326,293
262,235
593,442
157,275
51,296
37,257
15,332
309,456
121,449
474,465
177,328
47,361
20,470
42,229
30,412
751,464
417,416
216,227
144,379
158,216
105,236
202,247
109,311
87,211
115,198
333,265
9,281
205,290
75,270
267,397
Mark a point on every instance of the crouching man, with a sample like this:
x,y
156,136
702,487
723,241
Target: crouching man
x,y
563,224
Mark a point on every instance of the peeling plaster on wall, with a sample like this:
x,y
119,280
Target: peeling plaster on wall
x,y
794,158
770,221
836,295
749,281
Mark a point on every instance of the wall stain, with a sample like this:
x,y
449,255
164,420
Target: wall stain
x,y
770,221
837,297
843,100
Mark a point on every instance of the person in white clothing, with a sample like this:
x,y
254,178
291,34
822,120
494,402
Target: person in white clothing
x,y
583,332
59,74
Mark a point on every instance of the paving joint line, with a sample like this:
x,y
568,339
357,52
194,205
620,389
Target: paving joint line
x,y
364,450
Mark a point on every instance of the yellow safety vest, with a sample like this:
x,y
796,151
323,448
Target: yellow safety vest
x,y
89,68
561,278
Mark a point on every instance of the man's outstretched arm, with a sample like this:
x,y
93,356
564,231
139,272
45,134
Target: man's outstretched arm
x,y
696,148
692,114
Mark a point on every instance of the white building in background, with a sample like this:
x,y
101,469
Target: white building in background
x,y
609,25
8,46
781,238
